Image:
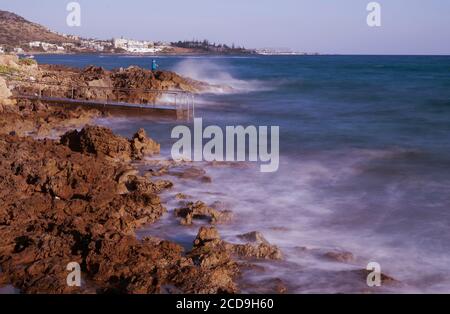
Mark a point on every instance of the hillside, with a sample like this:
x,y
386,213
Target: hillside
x,y
15,31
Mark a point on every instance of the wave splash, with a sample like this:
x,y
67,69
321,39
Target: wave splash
x,y
217,75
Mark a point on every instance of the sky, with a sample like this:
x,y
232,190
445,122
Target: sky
x,y
324,26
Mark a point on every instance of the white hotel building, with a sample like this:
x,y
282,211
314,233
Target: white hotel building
x,y
136,46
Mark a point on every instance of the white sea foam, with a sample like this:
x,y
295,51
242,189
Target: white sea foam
x,y
297,208
217,75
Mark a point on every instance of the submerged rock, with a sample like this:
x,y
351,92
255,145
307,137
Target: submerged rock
x,y
209,237
340,256
182,196
200,210
266,286
259,251
253,236
190,173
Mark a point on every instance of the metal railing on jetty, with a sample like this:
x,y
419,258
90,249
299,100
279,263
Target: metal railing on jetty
x,y
149,101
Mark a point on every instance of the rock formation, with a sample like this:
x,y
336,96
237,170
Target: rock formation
x,y
200,210
101,141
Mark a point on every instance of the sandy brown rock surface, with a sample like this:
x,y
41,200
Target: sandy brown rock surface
x,y
77,197
132,85
102,142
61,204
199,210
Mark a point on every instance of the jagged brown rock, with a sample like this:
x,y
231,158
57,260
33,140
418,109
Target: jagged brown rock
x,y
5,94
253,236
199,210
59,206
142,145
39,120
208,237
101,141
79,199
132,85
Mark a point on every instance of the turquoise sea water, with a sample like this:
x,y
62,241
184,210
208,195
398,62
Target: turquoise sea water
x,y
365,161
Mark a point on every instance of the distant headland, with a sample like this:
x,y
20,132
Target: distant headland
x,y
18,35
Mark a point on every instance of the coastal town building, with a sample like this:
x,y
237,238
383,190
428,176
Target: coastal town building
x,y
45,46
93,44
34,44
136,46
73,37
68,45
84,44
282,52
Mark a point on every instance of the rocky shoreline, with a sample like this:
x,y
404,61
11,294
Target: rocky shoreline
x,y
71,191
77,196
80,200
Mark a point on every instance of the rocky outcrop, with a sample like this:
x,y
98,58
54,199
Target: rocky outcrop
x,y
200,210
256,251
5,93
99,141
8,64
254,236
80,200
137,78
10,61
142,145
39,120
59,206
208,238
102,142
132,85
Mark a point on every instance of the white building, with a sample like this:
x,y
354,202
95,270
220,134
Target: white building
x,y
135,46
2,50
120,43
68,45
45,46
48,46
34,44
92,44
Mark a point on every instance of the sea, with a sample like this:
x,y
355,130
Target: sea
x,y
364,165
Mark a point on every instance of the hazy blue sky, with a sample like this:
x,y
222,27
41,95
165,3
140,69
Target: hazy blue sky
x,y
326,26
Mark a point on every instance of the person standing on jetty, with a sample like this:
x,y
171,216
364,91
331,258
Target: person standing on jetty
x,y
154,65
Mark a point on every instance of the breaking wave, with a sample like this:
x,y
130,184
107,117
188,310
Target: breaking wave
x,y
217,75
